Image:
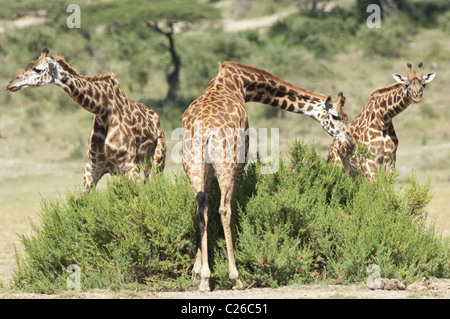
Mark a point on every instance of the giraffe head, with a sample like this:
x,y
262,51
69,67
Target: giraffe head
x,y
335,121
415,82
36,73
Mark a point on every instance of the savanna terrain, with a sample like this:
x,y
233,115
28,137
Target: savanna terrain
x,y
329,49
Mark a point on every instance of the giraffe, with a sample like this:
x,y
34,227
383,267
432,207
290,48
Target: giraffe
x,y
373,127
215,124
125,134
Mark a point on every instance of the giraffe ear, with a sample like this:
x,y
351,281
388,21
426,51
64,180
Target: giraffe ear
x,y
400,78
341,99
328,105
429,77
340,103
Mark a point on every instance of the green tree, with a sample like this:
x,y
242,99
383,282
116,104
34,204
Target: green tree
x,y
312,6
162,17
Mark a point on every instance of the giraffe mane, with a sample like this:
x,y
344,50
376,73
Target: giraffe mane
x,y
60,60
273,77
384,90
375,95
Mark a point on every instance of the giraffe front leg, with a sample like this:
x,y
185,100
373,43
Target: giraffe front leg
x,y
371,169
389,164
87,181
159,157
95,162
92,174
127,162
132,171
147,169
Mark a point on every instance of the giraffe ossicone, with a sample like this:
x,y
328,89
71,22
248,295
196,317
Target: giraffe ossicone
x,y
125,134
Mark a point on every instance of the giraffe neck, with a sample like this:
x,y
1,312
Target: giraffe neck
x,y
94,94
259,86
389,102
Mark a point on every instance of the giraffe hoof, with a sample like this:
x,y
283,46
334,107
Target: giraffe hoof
x,y
196,271
194,275
237,284
204,285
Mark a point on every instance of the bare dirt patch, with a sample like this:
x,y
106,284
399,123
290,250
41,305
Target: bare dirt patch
x,y
441,290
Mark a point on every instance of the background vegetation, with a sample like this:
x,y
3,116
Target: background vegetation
x,y
327,50
164,54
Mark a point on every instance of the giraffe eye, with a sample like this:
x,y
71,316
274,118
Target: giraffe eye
x,y
38,71
336,117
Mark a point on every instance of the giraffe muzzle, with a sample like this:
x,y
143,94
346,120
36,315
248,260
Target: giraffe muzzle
x,y
350,146
11,88
350,142
417,99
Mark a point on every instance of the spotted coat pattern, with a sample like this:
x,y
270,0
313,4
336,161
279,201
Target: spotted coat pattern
x,y
125,134
210,126
373,127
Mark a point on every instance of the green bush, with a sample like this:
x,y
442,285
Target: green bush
x,y
309,221
322,36
390,40
305,223
444,22
128,233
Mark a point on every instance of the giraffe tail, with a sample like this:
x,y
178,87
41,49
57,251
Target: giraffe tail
x,y
200,199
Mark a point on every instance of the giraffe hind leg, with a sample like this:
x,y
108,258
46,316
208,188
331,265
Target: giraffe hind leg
x,y
201,184
228,178
157,160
